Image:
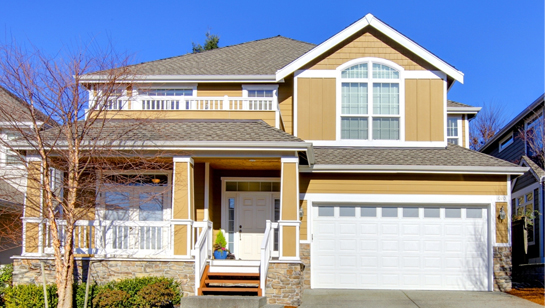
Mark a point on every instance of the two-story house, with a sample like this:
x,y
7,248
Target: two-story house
x,y
326,166
521,142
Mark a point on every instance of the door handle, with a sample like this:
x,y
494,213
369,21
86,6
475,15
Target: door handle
x,y
240,232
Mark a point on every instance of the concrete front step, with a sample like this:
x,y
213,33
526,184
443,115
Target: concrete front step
x,y
223,301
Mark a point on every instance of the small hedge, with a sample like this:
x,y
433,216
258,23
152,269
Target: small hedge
x,y
145,292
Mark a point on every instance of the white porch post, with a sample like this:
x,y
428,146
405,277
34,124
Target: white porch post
x,y
289,223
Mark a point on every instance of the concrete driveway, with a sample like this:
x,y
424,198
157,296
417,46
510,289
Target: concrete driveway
x,y
411,299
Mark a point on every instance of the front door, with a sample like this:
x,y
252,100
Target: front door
x,y
254,210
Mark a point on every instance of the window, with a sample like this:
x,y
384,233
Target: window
x,y
13,158
167,92
260,97
535,134
167,98
506,141
525,206
453,130
370,99
260,93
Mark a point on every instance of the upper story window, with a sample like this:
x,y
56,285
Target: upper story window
x,y
260,93
370,100
506,141
166,98
453,130
167,92
535,134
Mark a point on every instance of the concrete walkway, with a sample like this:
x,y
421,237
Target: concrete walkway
x,y
411,299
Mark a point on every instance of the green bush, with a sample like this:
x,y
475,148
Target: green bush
x,y
30,296
107,298
6,275
220,239
159,294
79,294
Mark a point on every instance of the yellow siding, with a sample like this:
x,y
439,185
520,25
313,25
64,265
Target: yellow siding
x,y
180,240
267,116
289,191
369,43
199,191
424,108
33,194
285,101
403,184
181,202
219,89
502,229
304,222
316,102
289,242
31,237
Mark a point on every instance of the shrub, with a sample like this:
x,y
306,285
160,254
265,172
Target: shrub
x,y
107,298
30,296
159,294
6,275
220,239
79,294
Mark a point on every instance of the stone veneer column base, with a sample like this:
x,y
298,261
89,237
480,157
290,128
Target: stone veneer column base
x,y
502,269
28,271
285,283
304,251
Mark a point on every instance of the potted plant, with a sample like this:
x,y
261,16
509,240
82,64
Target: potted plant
x,y
220,252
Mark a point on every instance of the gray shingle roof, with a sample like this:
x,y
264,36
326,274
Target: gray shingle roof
x,y
537,170
261,57
149,131
456,104
14,109
452,156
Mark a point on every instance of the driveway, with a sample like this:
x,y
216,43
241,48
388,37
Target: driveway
x,y
411,299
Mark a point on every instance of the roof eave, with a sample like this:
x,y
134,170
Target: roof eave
x,y
464,110
415,169
370,20
183,78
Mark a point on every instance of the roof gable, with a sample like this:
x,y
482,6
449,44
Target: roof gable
x,y
370,21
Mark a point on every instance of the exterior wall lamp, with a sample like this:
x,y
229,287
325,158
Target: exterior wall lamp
x,y
301,212
502,214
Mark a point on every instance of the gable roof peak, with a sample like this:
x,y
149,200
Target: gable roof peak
x,y
377,24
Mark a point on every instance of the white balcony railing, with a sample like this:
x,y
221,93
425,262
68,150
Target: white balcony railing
x,y
195,103
202,250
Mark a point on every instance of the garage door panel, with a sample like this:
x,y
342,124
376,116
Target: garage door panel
x,y
430,253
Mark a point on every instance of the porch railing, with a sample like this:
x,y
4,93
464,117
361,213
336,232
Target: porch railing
x,y
266,253
195,103
202,250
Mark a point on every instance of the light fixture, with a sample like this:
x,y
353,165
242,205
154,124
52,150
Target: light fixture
x,y
301,213
502,214
155,181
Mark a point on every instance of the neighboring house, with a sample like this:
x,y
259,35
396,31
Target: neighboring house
x,y
514,143
12,172
342,146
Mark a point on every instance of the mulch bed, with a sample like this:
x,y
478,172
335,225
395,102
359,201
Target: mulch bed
x,y
536,295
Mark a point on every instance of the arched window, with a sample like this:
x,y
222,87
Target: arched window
x,y
370,101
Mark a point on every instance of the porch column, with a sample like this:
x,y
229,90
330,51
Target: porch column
x,y
183,205
289,209
33,228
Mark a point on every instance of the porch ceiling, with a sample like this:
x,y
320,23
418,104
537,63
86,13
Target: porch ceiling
x,y
241,163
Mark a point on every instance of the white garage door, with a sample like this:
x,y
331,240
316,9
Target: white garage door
x,y
399,247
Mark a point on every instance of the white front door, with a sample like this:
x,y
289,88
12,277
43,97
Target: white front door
x,y
253,212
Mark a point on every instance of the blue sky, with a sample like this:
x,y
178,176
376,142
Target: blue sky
x,y
498,45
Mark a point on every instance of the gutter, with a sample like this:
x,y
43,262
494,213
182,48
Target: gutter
x,y
178,78
413,169
464,110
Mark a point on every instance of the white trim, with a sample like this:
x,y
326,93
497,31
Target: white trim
x,y
246,87
508,210
184,78
289,159
445,115
411,169
183,159
463,110
295,105
206,191
504,139
466,125
380,143
370,20
459,131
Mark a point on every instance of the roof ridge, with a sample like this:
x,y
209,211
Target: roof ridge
x,y
220,48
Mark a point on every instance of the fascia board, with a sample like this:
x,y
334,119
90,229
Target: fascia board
x,y
184,78
464,110
370,20
413,169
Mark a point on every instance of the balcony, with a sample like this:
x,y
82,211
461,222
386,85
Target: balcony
x,y
225,103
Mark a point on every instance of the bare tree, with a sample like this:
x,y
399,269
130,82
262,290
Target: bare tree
x,y
486,124
533,133
64,144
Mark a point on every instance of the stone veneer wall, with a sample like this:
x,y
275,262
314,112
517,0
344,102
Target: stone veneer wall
x,y
28,271
285,283
502,269
304,250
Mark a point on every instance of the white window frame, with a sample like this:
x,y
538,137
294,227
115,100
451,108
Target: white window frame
x,y
537,114
5,151
459,129
192,87
506,141
370,80
246,87
522,193
135,190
